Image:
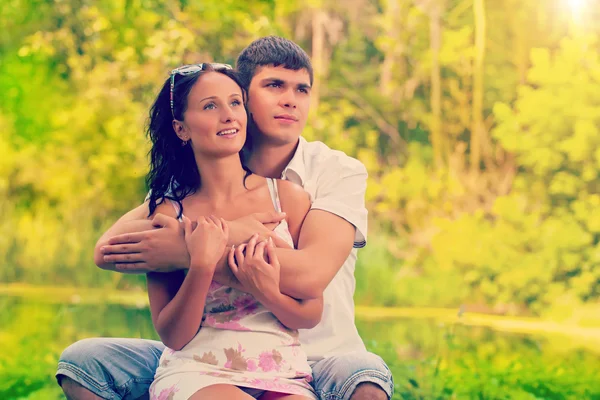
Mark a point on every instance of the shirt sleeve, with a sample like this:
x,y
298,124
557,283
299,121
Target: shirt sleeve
x,y
341,189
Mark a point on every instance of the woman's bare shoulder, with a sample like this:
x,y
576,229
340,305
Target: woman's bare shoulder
x,y
167,207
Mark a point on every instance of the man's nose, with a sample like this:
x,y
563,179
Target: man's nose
x,y
288,99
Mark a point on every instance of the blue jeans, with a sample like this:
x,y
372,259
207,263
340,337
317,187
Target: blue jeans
x,y
124,369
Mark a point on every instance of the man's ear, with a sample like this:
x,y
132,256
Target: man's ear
x,y
180,130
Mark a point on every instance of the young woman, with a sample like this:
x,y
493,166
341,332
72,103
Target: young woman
x,y
222,342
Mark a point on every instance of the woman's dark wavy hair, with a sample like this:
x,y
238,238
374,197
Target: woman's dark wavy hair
x,y
173,171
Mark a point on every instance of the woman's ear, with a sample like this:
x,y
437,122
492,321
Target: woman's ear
x,y
180,130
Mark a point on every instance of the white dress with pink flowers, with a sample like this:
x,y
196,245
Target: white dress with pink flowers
x,y
239,343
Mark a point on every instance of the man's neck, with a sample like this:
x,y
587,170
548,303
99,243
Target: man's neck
x,y
270,160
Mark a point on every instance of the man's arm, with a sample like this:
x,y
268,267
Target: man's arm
x,y
257,268
325,242
336,222
163,249
137,236
260,270
133,221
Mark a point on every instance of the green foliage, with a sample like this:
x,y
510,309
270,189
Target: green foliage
x,y
435,361
516,233
428,360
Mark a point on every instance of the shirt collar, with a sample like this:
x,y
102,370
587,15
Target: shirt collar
x,y
295,170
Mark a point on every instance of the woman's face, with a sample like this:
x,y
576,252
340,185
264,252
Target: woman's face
x,y
215,119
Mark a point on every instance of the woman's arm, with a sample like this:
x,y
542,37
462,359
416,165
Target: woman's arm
x,y
177,299
295,314
177,304
259,271
257,268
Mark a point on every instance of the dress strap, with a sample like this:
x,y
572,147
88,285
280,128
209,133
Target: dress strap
x,y
177,209
272,184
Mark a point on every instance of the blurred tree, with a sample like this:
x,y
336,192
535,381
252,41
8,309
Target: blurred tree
x,y
476,120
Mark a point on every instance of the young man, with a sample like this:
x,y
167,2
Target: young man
x,y
278,75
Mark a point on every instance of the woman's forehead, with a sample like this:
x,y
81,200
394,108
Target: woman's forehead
x,y
215,84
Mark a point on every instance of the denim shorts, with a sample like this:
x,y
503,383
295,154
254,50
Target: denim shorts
x,y
124,369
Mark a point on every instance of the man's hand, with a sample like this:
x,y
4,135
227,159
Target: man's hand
x,y
256,267
162,249
242,229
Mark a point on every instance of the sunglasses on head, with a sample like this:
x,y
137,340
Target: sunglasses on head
x,y
192,69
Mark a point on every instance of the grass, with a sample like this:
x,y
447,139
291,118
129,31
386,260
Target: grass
x,y
432,353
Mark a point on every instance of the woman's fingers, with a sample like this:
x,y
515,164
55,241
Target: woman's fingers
x,y
259,251
225,227
214,220
239,254
232,265
187,226
251,245
271,254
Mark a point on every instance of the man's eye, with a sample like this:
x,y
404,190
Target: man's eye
x,y
303,90
275,85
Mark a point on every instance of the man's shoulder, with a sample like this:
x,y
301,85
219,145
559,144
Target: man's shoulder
x,y
321,157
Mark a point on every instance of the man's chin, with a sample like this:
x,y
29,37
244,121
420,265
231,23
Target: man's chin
x,y
281,138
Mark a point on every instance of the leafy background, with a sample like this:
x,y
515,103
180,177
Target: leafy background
x,y
477,120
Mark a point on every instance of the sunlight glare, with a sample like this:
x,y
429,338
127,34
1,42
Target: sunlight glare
x,y
576,6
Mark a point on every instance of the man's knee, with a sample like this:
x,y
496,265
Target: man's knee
x,y
74,391
341,376
369,391
78,358
111,368
75,366
84,351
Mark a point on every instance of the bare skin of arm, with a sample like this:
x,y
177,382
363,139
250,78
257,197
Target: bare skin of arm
x,y
325,241
324,238
129,248
324,244
133,221
171,294
136,221
257,268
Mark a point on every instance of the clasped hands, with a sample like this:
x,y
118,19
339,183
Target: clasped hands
x,y
250,260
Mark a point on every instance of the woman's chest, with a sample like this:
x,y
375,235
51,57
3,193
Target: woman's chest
x,y
228,210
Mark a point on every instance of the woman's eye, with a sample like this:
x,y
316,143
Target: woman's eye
x,y
209,106
236,103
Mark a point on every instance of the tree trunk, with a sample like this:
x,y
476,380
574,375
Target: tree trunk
x,y
478,132
435,28
392,15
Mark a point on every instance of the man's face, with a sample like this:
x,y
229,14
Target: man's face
x,y
279,100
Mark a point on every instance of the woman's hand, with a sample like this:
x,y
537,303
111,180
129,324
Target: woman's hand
x,y
258,269
206,241
242,229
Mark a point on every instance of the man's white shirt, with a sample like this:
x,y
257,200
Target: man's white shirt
x,y
336,183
